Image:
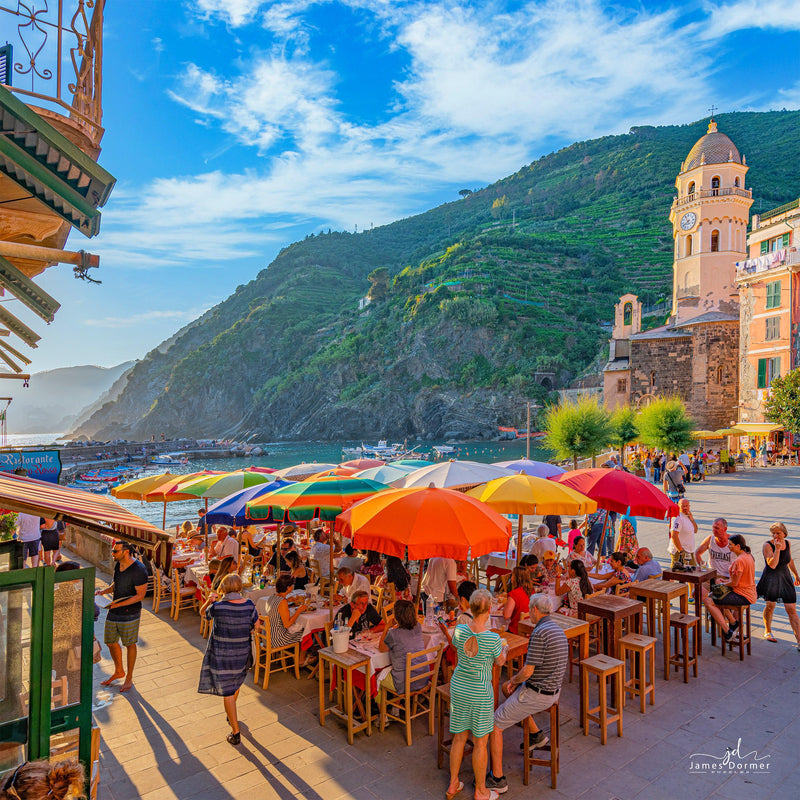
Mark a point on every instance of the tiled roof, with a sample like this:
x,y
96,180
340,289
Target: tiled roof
x,y
664,332
617,365
709,316
717,148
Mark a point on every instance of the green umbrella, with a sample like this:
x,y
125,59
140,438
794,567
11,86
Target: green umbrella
x,y
216,487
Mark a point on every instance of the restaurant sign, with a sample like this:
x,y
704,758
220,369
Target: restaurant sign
x,y
44,465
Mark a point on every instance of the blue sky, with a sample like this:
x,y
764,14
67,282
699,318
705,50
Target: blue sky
x,y
235,127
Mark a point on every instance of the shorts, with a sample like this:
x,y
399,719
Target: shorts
x,y
50,540
733,599
524,702
31,549
124,630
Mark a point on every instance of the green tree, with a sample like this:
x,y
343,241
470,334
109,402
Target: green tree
x,y
577,430
783,403
379,278
625,430
465,192
666,425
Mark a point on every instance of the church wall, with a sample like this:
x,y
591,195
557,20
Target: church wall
x,y
661,367
715,374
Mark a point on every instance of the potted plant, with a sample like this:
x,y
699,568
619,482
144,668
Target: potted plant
x,y
637,467
8,524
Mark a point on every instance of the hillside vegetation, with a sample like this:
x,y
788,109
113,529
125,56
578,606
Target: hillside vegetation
x,y
477,305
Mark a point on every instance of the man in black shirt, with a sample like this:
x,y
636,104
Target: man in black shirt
x,y
553,522
122,623
361,615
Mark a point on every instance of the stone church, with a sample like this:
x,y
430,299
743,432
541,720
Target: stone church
x,y
696,354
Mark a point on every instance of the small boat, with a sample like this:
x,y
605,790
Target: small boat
x,y
444,450
381,451
170,459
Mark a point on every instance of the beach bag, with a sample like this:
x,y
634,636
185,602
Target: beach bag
x,y
720,591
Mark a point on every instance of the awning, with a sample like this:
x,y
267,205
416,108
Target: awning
x,y
83,509
758,428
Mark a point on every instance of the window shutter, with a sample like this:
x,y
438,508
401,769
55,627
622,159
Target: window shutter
x,y
764,247
762,373
785,242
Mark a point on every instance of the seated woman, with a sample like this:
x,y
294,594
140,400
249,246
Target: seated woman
x,y
518,597
535,569
208,580
373,567
580,553
254,547
575,587
296,569
280,618
397,576
618,576
401,637
463,615
361,615
742,584
226,565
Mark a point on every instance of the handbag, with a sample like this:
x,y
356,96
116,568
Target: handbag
x,y
720,591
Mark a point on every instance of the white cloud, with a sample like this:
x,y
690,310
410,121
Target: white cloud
x,y
233,12
780,15
148,316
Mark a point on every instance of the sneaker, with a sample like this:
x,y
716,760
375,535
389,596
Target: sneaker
x,y
500,785
538,739
728,634
733,626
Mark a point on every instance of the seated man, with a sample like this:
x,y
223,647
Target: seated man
x,y
646,565
361,615
351,560
543,543
225,545
321,552
351,583
533,689
277,561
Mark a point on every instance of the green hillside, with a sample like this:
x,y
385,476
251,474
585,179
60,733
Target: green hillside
x,y
482,303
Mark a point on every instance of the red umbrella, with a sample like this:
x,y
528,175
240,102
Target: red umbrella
x,y
620,491
363,463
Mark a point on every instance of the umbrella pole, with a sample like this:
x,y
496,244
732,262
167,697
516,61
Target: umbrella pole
x,y
420,576
603,536
519,539
164,519
330,573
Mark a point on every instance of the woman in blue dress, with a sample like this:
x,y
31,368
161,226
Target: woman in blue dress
x,y
229,654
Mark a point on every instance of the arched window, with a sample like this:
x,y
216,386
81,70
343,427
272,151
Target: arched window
x,y
715,241
687,250
715,185
627,314
736,182
690,189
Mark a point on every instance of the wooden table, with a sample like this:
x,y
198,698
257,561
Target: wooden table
x,y
696,579
613,610
656,589
573,627
342,666
517,646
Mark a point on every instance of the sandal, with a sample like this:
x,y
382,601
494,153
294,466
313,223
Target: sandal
x,y
769,637
493,795
234,738
451,795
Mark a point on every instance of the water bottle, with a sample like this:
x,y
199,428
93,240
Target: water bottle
x,y
263,582
337,622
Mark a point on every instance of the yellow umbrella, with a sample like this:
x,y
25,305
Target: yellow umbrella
x,y
168,491
729,432
526,494
136,490
707,435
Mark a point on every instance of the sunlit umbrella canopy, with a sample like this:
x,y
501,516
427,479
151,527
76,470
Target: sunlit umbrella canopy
x,y
232,510
417,463
363,463
215,487
729,432
301,472
170,491
451,475
137,489
385,474
527,466
339,472
707,435
324,498
428,522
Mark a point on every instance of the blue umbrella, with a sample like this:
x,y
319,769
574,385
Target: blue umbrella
x,y
231,510
539,469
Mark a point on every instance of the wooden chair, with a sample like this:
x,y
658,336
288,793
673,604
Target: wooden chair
x,y
159,590
389,593
686,631
182,596
205,624
387,612
608,711
59,695
267,655
642,682
742,636
376,597
413,702
313,566
551,749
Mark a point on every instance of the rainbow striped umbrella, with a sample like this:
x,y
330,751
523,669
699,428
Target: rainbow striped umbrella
x,y
323,498
216,487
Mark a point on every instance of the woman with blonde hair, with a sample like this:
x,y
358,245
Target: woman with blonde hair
x,y
229,654
41,780
776,580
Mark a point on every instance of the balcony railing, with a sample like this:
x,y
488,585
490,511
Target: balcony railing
x,y
57,57
776,212
779,258
732,190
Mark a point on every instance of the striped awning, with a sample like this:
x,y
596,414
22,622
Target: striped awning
x,y
83,509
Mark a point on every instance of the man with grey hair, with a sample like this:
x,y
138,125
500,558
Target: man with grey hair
x,y
533,689
351,583
543,543
646,566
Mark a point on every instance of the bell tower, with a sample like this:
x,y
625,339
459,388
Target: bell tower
x,y
709,226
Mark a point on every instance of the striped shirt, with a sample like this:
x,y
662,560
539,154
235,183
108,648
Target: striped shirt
x,y
548,654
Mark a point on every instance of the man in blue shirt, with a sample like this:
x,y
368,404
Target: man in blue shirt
x,y
647,567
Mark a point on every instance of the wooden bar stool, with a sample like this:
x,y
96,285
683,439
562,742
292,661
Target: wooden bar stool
x,y
684,652
742,635
604,667
551,748
643,676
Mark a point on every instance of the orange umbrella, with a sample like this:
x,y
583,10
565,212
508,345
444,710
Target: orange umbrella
x,y
428,522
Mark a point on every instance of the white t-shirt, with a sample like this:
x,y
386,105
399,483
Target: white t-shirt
x,y
720,559
543,546
683,525
360,584
685,460
440,571
322,552
28,527
230,547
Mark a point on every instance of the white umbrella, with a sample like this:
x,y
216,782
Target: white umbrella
x,y
385,474
452,475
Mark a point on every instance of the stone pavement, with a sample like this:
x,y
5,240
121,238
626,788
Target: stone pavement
x,y
163,740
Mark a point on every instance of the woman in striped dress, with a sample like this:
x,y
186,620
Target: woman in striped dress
x,y
280,618
229,654
471,693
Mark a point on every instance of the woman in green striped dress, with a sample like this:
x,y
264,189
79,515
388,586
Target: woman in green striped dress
x,y
471,694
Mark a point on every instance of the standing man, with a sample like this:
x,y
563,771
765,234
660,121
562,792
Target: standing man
x,y
553,522
681,535
30,534
124,612
440,579
533,689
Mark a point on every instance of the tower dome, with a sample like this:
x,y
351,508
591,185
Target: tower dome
x,y
713,148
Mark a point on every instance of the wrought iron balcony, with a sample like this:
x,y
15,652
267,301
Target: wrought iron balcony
x,y
731,190
55,58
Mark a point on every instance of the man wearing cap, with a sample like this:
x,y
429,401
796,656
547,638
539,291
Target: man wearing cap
x,y
673,480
